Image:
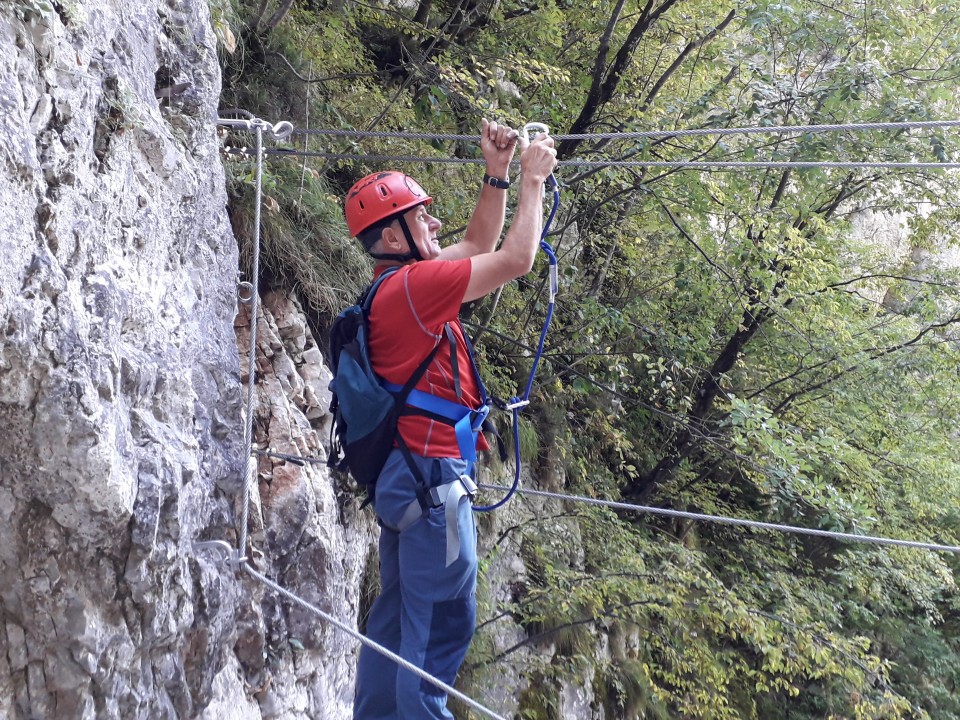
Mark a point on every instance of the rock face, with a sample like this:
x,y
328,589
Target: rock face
x,y
119,394
312,542
121,400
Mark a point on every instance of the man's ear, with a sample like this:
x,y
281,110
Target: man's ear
x,y
390,239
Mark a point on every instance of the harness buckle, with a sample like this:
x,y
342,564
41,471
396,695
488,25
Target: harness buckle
x,y
516,404
439,494
469,485
478,416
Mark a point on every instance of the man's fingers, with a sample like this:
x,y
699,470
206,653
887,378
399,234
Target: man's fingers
x,y
545,140
503,136
541,156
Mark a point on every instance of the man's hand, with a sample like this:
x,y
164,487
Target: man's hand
x,y
537,158
498,143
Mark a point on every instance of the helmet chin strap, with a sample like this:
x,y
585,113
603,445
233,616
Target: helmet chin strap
x,y
412,254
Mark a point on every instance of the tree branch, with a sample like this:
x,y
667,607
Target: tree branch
x,y
690,47
876,354
277,16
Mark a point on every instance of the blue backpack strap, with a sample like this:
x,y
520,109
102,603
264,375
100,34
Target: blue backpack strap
x,y
454,363
400,392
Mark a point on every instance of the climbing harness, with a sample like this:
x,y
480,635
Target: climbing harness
x,y
448,497
366,408
466,422
515,404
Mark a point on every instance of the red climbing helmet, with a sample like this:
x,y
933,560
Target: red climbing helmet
x,y
379,196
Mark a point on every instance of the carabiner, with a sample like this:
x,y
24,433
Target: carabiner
x,y
538,129
535,127
282,130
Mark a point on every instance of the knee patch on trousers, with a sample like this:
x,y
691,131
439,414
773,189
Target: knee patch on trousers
x,y
451,629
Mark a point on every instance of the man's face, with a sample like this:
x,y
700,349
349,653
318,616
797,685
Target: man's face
x,y
424,228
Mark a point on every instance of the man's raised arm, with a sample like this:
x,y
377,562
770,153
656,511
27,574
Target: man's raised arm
x,y
515,256
486,223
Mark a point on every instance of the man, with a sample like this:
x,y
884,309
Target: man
x,y
428,564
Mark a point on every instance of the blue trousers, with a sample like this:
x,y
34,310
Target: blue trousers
x,y
426,611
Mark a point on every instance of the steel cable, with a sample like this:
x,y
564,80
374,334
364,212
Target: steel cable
x,y
723,520
656,134
406,665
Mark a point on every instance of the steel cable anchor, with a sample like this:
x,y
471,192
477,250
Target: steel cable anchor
x,y
228,554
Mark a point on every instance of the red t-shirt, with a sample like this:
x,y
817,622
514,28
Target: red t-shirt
x,y
406,323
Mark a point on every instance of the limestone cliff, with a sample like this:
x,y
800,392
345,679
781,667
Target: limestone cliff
x,y
121,400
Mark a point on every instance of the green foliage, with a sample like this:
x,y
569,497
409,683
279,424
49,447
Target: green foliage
x,y
682,642
303,243
734,343
223,15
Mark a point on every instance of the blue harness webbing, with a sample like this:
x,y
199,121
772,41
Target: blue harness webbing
x,y
465,421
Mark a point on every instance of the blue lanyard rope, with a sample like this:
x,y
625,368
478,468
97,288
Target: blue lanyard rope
x,y
516,403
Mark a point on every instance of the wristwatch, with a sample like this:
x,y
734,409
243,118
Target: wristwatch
x,y
495,182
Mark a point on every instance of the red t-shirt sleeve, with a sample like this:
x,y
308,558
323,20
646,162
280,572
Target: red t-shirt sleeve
x,y
434,290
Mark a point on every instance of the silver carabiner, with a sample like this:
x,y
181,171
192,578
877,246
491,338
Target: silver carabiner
x,y
282,130
536,128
